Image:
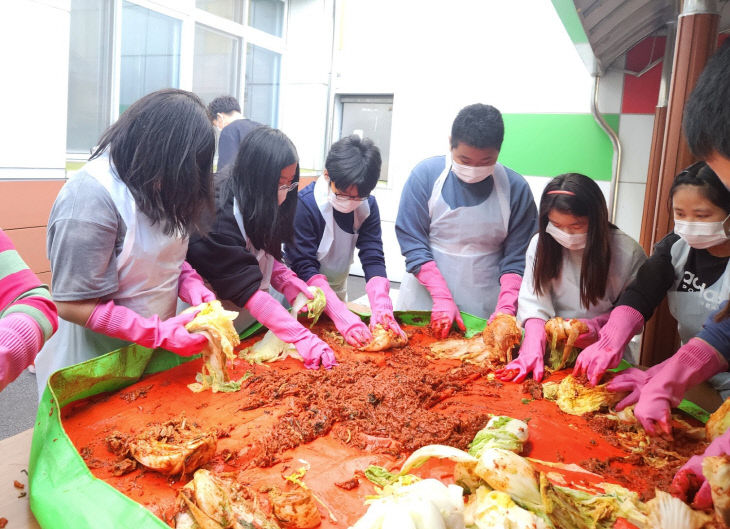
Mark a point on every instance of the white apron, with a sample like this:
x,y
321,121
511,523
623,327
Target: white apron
x,y
466,244
337,248
148,269
266,263
691,309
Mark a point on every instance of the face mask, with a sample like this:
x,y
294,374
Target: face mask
x,y
471,175
571,241
282,194
343,205
701,235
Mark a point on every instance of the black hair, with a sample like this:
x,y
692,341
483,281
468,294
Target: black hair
x,y
706,119
162,147
701,176
479,126
585,200
223,105
254,181
354,161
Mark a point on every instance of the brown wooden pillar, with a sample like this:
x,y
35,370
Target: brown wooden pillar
x,y
696,41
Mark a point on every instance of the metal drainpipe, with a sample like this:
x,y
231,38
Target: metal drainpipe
x,y
329,125
613,195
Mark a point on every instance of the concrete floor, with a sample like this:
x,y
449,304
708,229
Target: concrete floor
x,y
19,400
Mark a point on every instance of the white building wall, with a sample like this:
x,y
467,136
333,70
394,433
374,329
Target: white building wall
x,y
34,38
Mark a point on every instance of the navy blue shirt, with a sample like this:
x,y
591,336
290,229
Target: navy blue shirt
x,y
230,140
309,227
717,334
413,224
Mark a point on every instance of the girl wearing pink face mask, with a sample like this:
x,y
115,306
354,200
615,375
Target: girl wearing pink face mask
x,y
576,267
241,254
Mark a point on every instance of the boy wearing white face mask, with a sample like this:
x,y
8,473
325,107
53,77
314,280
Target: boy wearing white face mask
x,y
577,265
463,225
689,266
335,215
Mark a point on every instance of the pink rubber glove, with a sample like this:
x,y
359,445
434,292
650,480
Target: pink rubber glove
x,y
191,288
532,354
593,361
351,327
381,306
273,315
690,475
286,281
508,294
123,323
20,340
444,311
694,362
594,328
632,380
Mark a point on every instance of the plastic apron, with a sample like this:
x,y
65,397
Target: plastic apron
x,y
266,263
466,244
691,309
148,269
337,248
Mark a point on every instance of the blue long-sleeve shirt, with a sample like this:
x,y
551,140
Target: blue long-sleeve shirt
x,y
717,334
412,226
309,227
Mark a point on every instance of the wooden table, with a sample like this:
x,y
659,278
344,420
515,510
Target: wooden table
x,y
14,454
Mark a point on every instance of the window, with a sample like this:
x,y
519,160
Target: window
x,y
89,75
215,66
150,57
230,9
261,99
368,117
267,15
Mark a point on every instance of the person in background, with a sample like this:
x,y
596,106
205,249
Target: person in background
x,y
577,266
240,256
691,267
335,215
227,118
118,233
463,225
28,317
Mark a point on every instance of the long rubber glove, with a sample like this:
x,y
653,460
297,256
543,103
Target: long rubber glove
x,y
444,311
381,306
20,340
120,322
351,327
690,475
274,316
288,283
694,362
532,354
593,361
594,329
509,292
632,380
191,288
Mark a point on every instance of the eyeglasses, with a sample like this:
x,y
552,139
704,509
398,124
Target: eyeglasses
x,y
348,197
290,187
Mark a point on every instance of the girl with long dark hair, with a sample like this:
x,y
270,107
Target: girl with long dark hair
x,y
576,267
240,256
118,234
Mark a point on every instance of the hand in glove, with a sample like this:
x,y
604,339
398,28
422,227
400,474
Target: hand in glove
x,y
120,322
532,354
350,326
191,288
690,476
593,361
274,316
381,306
444,311
632,380
286,281
594,328
20,340
509,292
694,362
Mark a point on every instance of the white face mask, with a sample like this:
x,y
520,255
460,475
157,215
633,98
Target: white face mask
x,y
343,205
471,175
281,195
571,241
701,235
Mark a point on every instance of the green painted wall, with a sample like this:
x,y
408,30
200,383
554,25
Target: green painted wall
x,y
570,19
551,144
